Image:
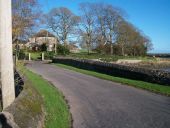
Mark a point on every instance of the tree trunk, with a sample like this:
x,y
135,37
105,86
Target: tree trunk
x,y
65,39
111,48
123,51
55,47
6,63
65,43
133,52
88,47
111,44
16,52
88,51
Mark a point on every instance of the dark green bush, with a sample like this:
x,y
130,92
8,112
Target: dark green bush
x,y
49,55
62,50
43,47
21,55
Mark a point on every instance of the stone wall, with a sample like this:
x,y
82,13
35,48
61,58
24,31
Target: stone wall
x,y
27,109
25,112
142,74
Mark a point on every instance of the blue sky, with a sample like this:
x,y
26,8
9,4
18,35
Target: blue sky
x,y
152,17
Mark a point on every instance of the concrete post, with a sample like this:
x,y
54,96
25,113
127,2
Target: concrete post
x,y
42,56
29,56
6,63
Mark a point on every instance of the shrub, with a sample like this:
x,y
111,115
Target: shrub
x,y
43,47
21,55
62,50
49,55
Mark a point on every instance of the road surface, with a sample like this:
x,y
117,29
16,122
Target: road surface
x,y
97,103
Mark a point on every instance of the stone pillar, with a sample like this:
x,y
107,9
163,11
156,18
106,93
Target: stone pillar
x,y
42,56
6,63
29,56
55,49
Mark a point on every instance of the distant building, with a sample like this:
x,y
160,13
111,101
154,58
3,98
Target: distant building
x,y
42,37
19,44
73,48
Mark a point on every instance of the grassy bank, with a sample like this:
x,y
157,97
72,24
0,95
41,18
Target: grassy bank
x,y
27,108
165,90
57,112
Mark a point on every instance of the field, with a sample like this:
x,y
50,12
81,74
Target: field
x,y
107,58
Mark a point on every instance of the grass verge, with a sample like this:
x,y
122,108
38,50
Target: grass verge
x,y
35,55
165,90
27,108
57,112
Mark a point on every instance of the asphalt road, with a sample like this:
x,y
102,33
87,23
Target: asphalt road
x,y
97,103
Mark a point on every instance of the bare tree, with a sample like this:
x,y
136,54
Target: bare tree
x,y
24,18
123,34
100,13
113,18
87,25
131,40
63,22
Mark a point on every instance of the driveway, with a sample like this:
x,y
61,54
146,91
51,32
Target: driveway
x,y
97,103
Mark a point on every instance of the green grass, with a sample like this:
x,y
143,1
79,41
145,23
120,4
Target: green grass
x,y
57,111
165,90
35,55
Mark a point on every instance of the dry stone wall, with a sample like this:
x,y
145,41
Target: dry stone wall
x,y
136,73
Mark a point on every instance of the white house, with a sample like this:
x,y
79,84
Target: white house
x,y
43,37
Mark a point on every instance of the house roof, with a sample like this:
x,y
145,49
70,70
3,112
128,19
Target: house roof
x,y
44,33
73,46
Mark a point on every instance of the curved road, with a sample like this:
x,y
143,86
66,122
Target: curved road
x,y
97,103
